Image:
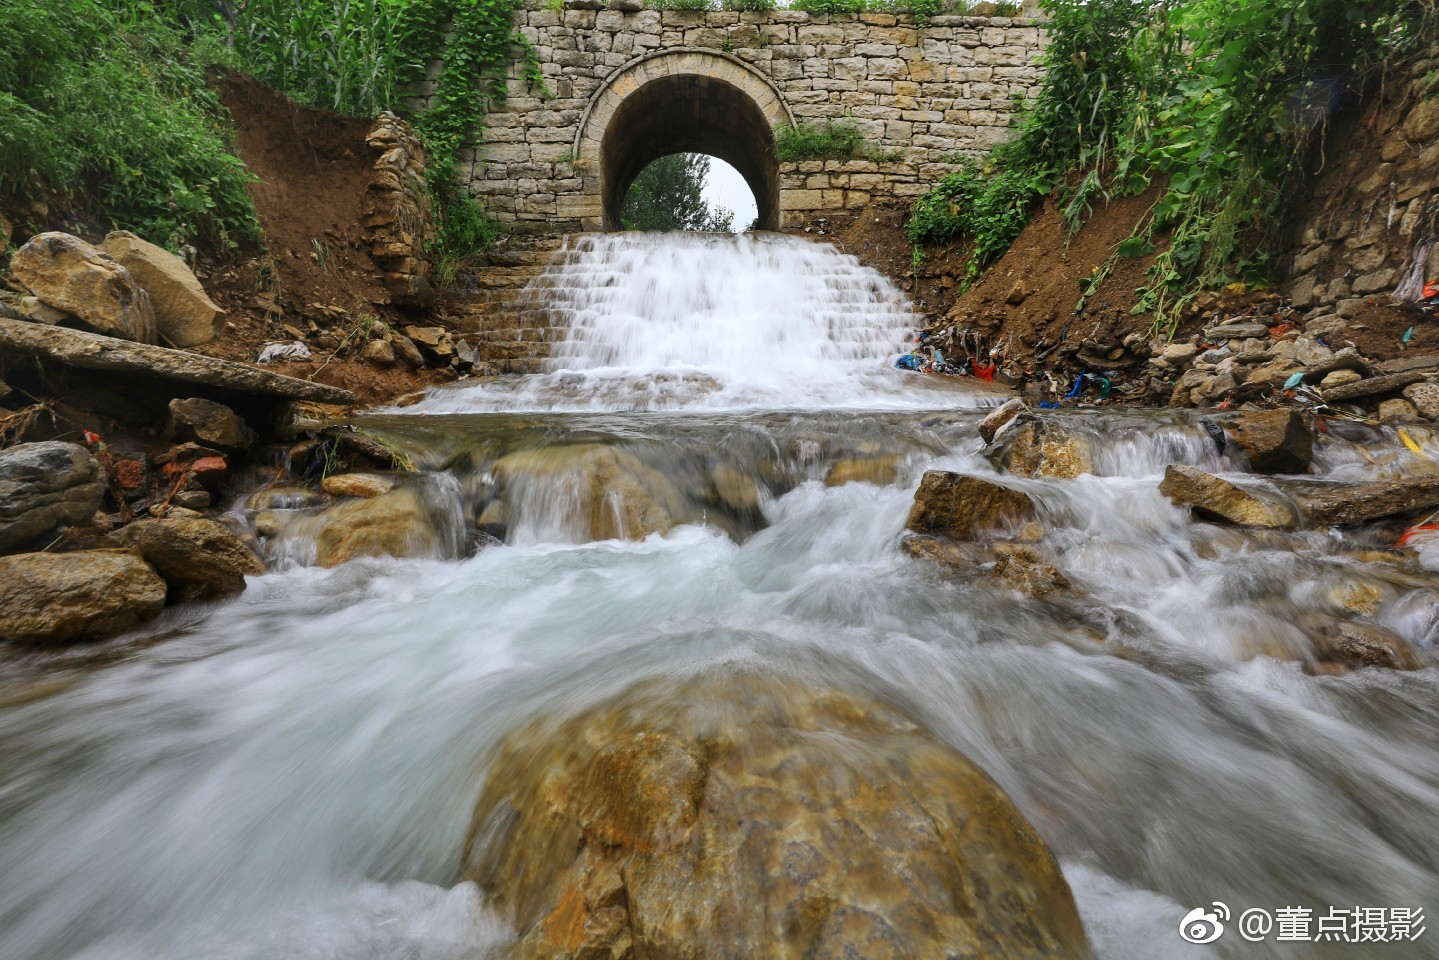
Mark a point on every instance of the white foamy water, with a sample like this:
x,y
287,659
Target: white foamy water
x,y
290,775
678,321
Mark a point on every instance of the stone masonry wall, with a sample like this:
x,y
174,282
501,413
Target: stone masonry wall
x,y
923,97
1372,226
396,212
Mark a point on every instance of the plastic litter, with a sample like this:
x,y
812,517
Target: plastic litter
x,y
1420,532
1295,379
279,352
1409,442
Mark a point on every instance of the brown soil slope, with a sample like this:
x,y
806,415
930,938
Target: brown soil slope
x,y
315,276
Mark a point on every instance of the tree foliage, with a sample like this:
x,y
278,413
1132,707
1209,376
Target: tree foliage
x,y
1218,100
106,101
669,195
105,106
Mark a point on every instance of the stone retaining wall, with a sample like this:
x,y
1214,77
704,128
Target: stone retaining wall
x,y
1371,224
397,214
922,97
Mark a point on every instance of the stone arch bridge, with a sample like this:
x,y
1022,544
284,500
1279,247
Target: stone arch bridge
x,y
627,86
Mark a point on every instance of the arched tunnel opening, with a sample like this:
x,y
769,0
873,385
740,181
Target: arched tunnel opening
x,y
688,113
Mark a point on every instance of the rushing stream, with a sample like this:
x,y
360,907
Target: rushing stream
x,y
291,774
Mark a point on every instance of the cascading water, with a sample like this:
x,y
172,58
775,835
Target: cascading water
x,y
291,774
666,321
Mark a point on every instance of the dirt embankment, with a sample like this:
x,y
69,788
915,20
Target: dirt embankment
x,y
1028,303
314,281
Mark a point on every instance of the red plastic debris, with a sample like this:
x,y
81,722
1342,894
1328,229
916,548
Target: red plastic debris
x,y
985,372
1418,531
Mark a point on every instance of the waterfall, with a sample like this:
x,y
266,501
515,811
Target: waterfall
x,y
653,321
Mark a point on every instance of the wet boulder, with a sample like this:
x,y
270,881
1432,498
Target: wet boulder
x,y
1273,441
1216,498
395,524
1351,644
44,485
199,558
736,490
185,316
1043,448
57,597
1000,418
881,471
68,274
1021,568
956,557
1329,503
963,507
362,485
737,816
614,495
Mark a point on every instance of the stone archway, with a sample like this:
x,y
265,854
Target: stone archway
x,y
683,101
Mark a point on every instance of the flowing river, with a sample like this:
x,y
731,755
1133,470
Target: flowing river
x,y
291,774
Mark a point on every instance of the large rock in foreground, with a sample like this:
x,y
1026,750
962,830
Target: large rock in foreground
x,y
185,316
89,351
1328,503
55,597
1042,448
1216,498
616,495
962,507
400,523
68,274
746,817
43,485
1273,441
201,559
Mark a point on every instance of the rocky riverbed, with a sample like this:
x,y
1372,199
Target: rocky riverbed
x,y
634,658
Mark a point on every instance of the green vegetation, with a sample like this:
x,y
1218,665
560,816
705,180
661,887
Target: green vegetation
x,y
106,103
105,108
831,6
921,9
990,211
355,56
1217,101
831,140
669,195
